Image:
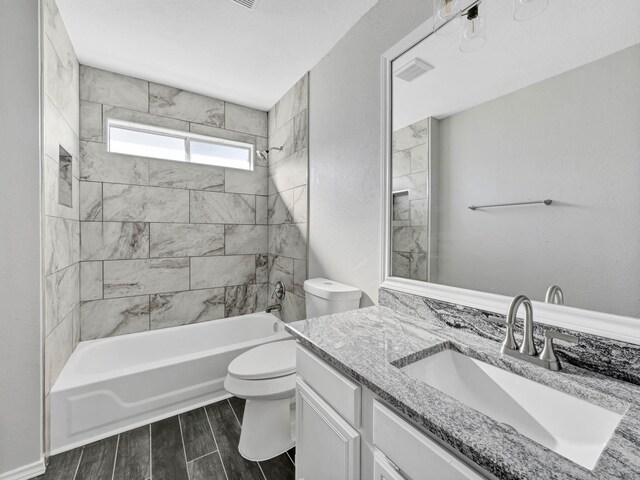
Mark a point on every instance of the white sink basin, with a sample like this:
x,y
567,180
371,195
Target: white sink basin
x,y
571,427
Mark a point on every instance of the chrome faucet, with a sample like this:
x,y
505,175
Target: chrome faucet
x,y
554,295
274,308
527,351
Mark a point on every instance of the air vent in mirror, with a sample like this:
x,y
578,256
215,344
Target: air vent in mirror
x,y
249,4
412,70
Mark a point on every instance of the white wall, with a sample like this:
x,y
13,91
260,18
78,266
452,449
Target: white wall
x,y
344,156
20,344
574,139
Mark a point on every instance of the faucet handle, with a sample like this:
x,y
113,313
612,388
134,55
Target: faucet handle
x,y
548,354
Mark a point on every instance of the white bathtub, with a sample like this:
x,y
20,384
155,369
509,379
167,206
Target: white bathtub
x,y
118,383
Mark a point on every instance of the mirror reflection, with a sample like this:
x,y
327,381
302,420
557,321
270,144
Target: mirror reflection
x,y
516,163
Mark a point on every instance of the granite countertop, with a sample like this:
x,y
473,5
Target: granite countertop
x,y
371,344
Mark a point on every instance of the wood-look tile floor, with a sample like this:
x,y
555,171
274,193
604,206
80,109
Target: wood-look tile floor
x,y
198,445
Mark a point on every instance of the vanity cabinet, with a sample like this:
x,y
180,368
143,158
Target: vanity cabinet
x,y
327,446
400,447
344,432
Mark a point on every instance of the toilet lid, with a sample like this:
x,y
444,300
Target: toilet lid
x,y
271,360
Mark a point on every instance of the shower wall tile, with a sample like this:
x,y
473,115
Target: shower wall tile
x,y
186,175
299,276
419,213
91,124
280,208
175,103
186,240
410,239
154,230
98,165
262,268
232,270
61,229
410,136
243,299
416,183
262,210
211,207
62,295
107,318
287,206
61,243
222,133
419,158
291,104
300,204
113,240
128,115
288,240
401,163
245,119
182,308
281,270
130,203
90,201
245,239
58,346
127,278
289,172
90,281
246,181
293,308
100,86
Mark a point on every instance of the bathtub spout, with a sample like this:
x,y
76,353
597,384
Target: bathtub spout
x,y
274,308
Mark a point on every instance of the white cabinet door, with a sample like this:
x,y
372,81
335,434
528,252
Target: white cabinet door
x,y
327,446
383,470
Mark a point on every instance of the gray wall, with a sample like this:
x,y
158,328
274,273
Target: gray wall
x,y
20,283
289,128
61,237
572,138
344,163
167,243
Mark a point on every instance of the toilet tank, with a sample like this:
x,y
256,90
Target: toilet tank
x,y
324,297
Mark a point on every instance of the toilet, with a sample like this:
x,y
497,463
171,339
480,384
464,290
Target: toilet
x,y
265,377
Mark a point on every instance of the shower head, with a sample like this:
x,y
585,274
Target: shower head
x,y
264,154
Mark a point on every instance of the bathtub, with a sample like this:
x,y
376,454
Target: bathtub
x,y
118,383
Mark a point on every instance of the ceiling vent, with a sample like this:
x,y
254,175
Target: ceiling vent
x,y
249,4
412,70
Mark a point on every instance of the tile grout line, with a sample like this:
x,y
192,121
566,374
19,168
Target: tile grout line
x,y
184,448
224,469
289,457
202,456
115,458
75,474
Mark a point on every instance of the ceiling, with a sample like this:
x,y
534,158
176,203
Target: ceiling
x,y
212,47
569,34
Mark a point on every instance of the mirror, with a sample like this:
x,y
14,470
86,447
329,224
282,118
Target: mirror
x,y
542,115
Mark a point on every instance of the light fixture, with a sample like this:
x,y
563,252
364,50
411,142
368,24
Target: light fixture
x,y
473,34
446,16
527,9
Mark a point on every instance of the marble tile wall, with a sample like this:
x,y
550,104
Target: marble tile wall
x,y
287,201
165,243
61,233
410,174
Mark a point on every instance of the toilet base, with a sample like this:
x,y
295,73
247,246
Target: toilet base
x,y
267,429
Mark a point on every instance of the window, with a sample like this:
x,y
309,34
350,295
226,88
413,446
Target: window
x,y
154,142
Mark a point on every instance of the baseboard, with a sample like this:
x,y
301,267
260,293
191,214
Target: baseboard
x,y
26,472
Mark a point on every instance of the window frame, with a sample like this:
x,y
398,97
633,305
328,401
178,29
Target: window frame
x,y
185,136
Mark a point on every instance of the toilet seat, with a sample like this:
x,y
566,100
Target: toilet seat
x,y
269,361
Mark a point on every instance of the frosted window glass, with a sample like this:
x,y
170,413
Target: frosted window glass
x,y
221,155
146,144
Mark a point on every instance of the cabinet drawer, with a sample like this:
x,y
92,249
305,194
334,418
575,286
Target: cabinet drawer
x,y
417,456
342,393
